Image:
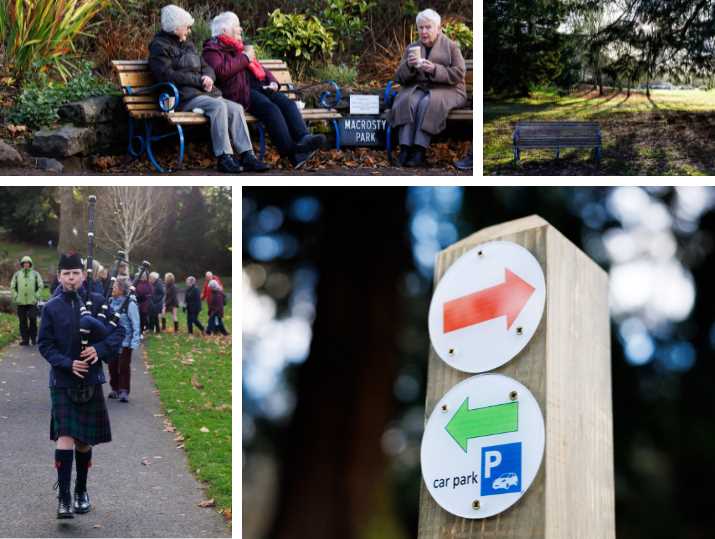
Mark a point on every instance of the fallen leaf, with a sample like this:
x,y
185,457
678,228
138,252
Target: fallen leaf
x,y
179,438
180,446
97,526
146,462
204,429
226,514
195,382
207,503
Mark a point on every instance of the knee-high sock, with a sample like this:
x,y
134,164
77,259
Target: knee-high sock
x,y
63,463
84,461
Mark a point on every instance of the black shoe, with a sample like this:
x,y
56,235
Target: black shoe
x,y
417,159
24,343
405,154
64,506
300,159
226,163
251,164
309,143
81,502
112,395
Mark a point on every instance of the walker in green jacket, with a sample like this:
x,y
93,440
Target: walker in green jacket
x,y
26,284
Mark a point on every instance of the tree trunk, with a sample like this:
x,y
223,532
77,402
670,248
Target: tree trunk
x,y
71,227
333,463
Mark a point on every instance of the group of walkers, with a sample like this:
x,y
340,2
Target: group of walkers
x,y
79,418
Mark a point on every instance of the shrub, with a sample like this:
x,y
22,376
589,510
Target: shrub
x,y
41,34
37,104
346,20
298,38
342,74
462,34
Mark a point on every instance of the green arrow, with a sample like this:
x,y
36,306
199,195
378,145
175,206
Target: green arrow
x,y
487,421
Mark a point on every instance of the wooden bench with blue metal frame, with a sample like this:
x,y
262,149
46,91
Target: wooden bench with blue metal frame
x,y
463,114
555,136
151,103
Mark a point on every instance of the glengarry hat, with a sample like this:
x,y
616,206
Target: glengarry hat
x,y
69,261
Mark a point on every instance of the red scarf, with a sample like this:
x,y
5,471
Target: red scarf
x,y
255,67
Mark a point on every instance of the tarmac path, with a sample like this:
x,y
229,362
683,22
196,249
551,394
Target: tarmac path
x,y
139,484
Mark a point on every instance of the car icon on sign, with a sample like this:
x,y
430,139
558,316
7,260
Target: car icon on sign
x,y
505,481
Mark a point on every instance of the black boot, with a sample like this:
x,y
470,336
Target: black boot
x,y
405,154
310,143
226,163
63,463
417,159
163,324
83,461
81,502
176,327
251,164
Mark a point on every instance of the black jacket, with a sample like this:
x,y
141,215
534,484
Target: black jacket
x,y
193,300
171,60
59,341
157,298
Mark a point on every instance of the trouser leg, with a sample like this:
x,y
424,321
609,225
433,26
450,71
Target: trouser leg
x,y
215,110
237,126
114,374
422,138
124,364
23,320
408,132
271,116
293,117
32,315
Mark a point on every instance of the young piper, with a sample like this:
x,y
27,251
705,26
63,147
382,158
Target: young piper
x,y
74,425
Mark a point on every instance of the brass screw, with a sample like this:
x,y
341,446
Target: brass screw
x,y
451,351
513,395
519,330
444,407
475,504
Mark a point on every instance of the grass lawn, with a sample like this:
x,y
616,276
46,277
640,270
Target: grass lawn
x,y
43,258
670,133
193,375
9,329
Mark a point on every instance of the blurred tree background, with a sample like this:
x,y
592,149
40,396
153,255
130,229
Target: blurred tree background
x,y
336,290
192,226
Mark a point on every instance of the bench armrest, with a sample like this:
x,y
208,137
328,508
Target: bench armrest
x,y
390,94
164,103
323,100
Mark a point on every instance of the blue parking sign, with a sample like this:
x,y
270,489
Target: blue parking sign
x,y
501,469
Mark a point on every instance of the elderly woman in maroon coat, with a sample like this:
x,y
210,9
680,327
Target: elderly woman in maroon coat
x,y
242,79
431,74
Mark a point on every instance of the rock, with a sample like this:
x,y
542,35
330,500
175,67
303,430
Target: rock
x,y
111,135
63,142
91,111
9,155
49,165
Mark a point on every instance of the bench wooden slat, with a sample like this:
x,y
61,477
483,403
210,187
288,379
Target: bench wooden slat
x,y
136,78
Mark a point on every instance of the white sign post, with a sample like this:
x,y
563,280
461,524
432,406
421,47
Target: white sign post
x,y
483,445
487,306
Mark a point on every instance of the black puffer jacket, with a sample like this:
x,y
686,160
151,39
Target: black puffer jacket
x,y
171,60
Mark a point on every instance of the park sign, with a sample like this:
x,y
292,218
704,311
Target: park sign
x,y
362,131
487,306
483,445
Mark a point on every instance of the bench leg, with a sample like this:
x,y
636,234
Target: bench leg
x,y
558,153
182,146
261,141
136,154
337,134
149,151
598,155
388,143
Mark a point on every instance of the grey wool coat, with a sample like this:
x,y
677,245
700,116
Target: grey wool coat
x,y
447,88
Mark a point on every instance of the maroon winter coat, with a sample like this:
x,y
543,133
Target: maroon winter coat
x,y
216,301
232,74
143,292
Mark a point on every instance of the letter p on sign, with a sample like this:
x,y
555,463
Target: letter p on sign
x,y
492,459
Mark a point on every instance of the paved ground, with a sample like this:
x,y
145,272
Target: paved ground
x,y
131,499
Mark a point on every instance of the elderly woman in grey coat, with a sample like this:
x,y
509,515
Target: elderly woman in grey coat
x,y
431,75
172,58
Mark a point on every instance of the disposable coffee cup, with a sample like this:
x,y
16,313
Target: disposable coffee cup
x,y
416,52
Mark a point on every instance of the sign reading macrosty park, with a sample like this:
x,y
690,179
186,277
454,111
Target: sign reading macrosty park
x,y
487,306
483,445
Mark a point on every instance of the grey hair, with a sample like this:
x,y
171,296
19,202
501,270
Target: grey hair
x,y
213,285
222,22
190,280
430,15
153,275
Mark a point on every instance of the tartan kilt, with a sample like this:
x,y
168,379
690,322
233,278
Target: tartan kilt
x,y
88,422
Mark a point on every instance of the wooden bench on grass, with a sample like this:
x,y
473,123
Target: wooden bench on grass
x,y
154,105
465,114
555,136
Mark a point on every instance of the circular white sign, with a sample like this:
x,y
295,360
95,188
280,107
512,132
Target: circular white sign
x,y
482,446
487,306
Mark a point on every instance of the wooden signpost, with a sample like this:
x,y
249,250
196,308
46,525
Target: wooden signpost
x,y
566,366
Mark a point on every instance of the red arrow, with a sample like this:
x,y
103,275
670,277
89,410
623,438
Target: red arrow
x,y
507,298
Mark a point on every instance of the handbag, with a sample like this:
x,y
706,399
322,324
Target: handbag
x,y
81,394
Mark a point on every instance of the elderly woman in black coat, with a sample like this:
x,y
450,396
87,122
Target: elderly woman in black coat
x,y
172,58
